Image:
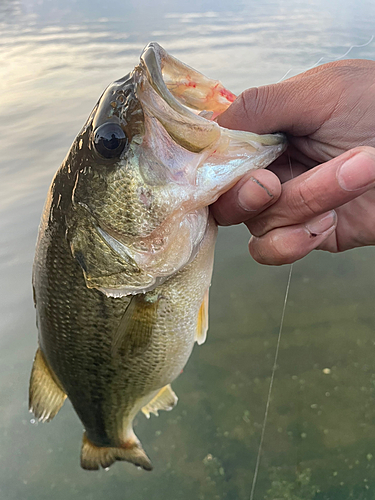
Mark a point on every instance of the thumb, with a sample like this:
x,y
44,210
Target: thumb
x,y
298,106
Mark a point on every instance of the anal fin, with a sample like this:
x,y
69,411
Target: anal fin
x,y
202,324
93,457
45,396
165,399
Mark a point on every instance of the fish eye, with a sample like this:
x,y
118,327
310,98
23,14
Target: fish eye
x,y
110,140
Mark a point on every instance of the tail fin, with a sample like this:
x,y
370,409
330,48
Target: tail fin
x,y
92,456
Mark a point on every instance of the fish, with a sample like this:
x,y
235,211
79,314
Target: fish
x,y
125,250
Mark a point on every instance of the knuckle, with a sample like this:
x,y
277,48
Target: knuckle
x,y
281,251
307,203
271,250
368,150
347,72
221,215
254,101
257,227
341,70
256,251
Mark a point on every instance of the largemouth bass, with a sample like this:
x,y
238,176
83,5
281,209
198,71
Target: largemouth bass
x,y
125,250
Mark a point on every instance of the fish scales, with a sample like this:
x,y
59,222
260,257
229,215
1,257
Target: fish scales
x,y
125,251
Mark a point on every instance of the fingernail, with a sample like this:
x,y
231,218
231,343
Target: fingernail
x,y
357,172
246,198
321,224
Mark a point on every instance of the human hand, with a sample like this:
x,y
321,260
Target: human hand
x,y
328,114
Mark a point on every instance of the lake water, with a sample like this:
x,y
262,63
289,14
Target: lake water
x,y
56,58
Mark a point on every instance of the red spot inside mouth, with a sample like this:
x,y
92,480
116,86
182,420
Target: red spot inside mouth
x,y
189,83
228,95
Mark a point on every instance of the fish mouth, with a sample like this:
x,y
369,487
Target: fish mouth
x,y
188,96
182,87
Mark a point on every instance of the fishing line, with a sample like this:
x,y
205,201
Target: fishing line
x,y
265,418
329,60
270,386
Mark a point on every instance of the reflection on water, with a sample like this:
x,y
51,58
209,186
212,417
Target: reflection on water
x,y
55,59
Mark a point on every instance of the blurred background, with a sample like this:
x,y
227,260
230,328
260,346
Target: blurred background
x,y
56,58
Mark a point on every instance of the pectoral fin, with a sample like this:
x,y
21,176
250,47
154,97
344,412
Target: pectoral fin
x,y
165,399
45,395
134,331
202,326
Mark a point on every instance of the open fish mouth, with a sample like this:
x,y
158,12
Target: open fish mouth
x,y
178,84
192,98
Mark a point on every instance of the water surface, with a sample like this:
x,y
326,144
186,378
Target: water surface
x,y
56,57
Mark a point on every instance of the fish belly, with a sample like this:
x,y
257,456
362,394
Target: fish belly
x,y
108,385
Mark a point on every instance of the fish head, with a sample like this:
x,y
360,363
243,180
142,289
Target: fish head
x,y
146,166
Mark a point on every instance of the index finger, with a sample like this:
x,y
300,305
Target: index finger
x,y
300,105
319,190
